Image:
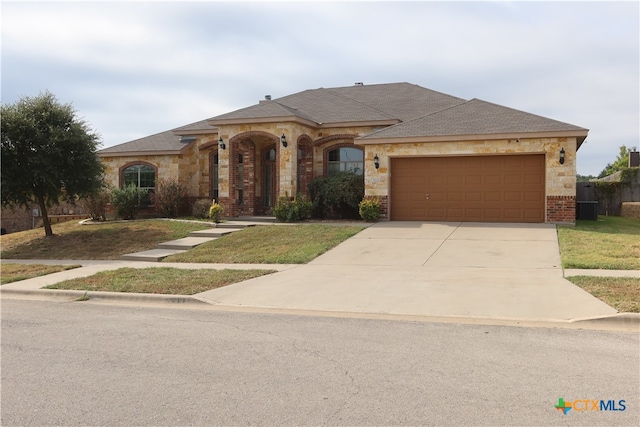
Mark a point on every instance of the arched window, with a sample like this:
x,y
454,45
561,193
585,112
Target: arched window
x,y
345,159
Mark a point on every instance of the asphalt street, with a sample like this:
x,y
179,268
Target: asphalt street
x,y
84,363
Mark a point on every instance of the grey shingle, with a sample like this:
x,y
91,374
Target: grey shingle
x,y
474,117
422,113
358,103
164,141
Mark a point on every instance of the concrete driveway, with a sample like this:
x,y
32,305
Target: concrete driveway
x,y
480,270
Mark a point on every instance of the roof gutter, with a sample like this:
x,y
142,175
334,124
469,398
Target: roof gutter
x,y
580,135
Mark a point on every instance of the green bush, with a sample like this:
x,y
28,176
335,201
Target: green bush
x,y
370,209
298,209
168,197
305,207
337,196
215,211
96,204
128,200
200,208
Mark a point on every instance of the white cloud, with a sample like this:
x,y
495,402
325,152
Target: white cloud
x,y
137,68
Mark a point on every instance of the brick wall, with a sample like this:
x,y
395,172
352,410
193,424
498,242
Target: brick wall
x,y
561,209
384,207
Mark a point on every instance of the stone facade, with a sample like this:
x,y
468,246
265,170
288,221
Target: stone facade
x,y
193,168
252,167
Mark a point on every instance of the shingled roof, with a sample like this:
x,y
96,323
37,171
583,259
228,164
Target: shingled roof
x,y
390,103
476,117
408,111
169,141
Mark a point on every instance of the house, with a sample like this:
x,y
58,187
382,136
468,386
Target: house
x,y
426,155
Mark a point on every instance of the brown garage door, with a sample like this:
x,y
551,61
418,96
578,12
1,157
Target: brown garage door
x,y
468,188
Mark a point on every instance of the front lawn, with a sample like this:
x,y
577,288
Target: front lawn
x,y
272,244
159,280
611,243
621,293
104,240
15,272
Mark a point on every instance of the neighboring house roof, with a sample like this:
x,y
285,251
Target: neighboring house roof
x,y
476,117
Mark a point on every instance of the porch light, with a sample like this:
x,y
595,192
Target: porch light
x,y
562,156
283,139
221,144
376,161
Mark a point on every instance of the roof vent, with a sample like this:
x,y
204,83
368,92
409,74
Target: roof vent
x,y
267,97
359,84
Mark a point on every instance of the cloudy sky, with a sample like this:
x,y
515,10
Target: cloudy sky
x,y
132,69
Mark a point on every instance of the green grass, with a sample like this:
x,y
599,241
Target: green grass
x,y
159,280
15,272
105,240
611,243
621,293
274,244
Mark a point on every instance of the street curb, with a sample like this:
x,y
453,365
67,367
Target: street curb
x,y
621,319
621,322
108,296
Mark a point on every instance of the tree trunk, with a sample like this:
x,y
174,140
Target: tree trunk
x,y
45,216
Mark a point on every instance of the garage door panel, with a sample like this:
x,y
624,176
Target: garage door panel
x,y
473,196
512,214
435,196
492,196
455,180
513,179
532,214
533,196
512,196
473,179
491,214
531,179
418,197
468,188
455,196
492,179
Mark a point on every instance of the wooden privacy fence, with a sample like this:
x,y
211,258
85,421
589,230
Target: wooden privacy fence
x,y
611,191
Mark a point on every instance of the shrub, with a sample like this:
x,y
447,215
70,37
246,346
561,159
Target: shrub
x,y
305,207
337,196
215,211
369,209
298,209
128,200
168,197
200,208
96,204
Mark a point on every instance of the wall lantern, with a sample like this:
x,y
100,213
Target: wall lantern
x,y
562,156
283,139
221,144
376,161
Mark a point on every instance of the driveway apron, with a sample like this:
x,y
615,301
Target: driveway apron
x,y
480,270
